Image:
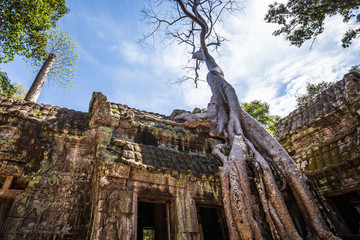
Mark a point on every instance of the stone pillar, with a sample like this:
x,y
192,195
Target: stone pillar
x,y
133,217
187,224
115,212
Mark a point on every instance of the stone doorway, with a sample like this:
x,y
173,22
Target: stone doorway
x,y
153,221
347,207
10,188
5,207
212,223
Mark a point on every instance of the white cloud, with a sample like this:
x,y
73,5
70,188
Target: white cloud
x,y
259,65
131,52
264,67
196,97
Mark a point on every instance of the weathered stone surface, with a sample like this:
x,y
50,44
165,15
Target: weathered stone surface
x,y
74,175
323,139
324,131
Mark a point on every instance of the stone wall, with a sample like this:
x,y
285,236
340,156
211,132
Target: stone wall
x,y
74,175
47,159
323,138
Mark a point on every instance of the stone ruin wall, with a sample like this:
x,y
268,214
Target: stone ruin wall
x,y
323,137
47,163
73,175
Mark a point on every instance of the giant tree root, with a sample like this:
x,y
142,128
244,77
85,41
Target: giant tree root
x,y
253,147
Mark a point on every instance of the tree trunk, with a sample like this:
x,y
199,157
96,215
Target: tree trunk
x,y
35,89
251,148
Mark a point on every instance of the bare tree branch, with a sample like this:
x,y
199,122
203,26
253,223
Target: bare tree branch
x,y
187,22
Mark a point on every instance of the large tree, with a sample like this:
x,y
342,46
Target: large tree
x,y
59,66
193,22
302,20
261,112
24,25
9,89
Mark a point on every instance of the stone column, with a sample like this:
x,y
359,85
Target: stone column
x,y
187,224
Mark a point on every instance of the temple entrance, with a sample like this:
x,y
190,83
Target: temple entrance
x,y
10,187
153,221
348,207
5,207
295,214
212,223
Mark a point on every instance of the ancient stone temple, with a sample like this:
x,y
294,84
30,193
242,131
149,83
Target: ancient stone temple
x,y
114,173
323,138
104,175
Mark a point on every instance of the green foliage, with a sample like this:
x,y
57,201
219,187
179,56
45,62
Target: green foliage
x,y
261,112
355,68
24,25
301,20
312,89
38,113
9,89
19,91
63,71
114,110
226,150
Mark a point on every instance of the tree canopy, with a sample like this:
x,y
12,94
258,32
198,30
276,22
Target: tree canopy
x,y
261,112
9,89
301,20
198,36
24,25
355,68
64,48
59,67
312,89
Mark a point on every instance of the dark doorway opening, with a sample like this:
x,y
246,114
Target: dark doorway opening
x,y
10,187
153,221
348,207
5,207
297,217
212,224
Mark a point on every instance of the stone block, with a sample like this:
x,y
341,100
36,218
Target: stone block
x,y
129,155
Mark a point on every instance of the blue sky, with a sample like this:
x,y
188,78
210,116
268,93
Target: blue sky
x,y
259,65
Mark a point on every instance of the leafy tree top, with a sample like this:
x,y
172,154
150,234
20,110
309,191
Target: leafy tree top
x,y
355,68
24,25
312,89
63,47
8,89
261,112
302,20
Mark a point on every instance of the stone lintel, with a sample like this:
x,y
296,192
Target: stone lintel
x,y
6,192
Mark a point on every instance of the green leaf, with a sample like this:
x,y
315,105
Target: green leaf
x,y
301,20
9,89
26,34
312,90
261,112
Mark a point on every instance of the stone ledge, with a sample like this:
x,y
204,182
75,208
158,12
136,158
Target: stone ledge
x,y
52,116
